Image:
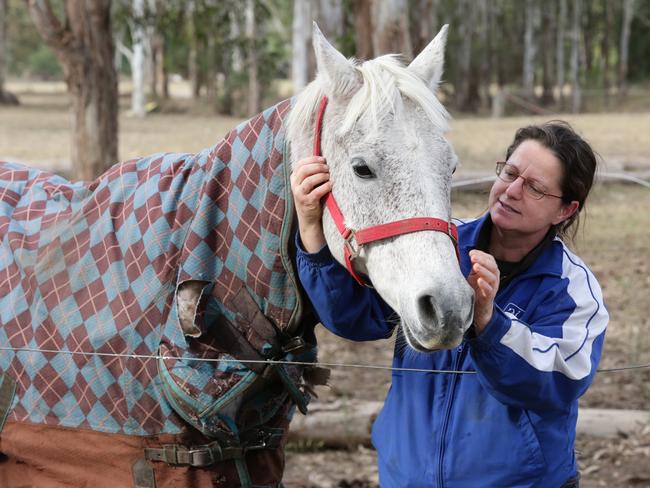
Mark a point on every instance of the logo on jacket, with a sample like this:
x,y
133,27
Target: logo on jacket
x,y
513,309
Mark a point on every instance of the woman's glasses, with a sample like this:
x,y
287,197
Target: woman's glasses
x,y
509,173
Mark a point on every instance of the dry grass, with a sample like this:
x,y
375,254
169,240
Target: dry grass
x,y
619,138
37,131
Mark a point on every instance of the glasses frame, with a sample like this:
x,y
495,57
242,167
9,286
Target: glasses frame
x,y
530,190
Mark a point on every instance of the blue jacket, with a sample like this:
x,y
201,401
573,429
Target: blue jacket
x,y
512,423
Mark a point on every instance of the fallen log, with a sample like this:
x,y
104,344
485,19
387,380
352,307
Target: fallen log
x,y
348,423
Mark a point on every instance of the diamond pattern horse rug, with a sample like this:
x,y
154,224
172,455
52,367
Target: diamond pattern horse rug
x,y
91,336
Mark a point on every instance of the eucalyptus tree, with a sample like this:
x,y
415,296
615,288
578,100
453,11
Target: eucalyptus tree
x,y
82,39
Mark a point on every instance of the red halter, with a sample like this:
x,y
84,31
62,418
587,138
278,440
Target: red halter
x,y
377,232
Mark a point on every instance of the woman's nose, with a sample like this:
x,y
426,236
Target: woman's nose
x,y
516,188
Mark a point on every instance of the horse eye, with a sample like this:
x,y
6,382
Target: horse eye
x,y
361,169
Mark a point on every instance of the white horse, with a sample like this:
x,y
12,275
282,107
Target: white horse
x,y
384,140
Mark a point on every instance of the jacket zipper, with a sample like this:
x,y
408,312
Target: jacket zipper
x,y
445,424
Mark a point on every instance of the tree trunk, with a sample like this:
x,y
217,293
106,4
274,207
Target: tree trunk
x,y
530,48
559,55
164,74
363,28
576,34
254,102
210,71
485,48
138,36
467,85
3,46
84,47
302,13
391,28
193,54
588,34
605,46
495,36
624,49
330,19
156,64
547,73
154,42
6,98
424,24
345,424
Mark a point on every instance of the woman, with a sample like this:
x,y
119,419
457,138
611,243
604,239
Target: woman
x,y
537,336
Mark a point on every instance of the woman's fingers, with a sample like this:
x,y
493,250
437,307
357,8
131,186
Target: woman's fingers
x,y
485,274
320,191
484,259
486,289
312,182
309,166
309,160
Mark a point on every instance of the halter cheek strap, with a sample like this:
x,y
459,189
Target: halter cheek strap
x,y
377,232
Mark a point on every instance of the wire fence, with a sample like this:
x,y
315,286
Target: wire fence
x,y
275,362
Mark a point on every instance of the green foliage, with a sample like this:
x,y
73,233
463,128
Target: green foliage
x,y
639,67
23,39
43,64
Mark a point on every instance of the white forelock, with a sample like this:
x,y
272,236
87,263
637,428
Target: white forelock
x,y
386,81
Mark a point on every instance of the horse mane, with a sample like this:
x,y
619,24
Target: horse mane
x,y
386,81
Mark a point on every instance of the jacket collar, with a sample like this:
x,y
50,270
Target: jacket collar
x,y
541,260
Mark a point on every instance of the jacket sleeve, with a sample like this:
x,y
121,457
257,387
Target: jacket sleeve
x,y
550,362
346,308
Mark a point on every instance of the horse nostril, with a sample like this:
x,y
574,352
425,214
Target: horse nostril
x,y
427,310
432,313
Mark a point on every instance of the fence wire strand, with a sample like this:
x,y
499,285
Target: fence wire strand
x,y
278,362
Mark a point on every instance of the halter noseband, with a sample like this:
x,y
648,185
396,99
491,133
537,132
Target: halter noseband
x,y
376,232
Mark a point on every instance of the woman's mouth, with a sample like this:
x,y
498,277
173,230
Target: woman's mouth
x,y
508,208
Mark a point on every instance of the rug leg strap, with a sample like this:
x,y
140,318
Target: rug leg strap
x,y
7,392
214,452
143,474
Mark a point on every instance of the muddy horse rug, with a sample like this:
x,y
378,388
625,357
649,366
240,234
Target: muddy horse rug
x,y
105,379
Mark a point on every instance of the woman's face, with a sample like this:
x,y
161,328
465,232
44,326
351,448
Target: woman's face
x,y
514,210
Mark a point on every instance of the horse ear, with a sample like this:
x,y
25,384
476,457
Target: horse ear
x,y
341,77
429,63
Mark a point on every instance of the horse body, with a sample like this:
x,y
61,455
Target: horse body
x,y
135,309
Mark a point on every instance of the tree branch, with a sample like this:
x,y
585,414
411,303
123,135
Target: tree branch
x,y
126,52
48,24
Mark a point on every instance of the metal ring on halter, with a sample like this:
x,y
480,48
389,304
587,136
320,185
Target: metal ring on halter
x,y
353,253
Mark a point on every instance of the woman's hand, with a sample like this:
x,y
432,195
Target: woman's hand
x,y
310,182
484,279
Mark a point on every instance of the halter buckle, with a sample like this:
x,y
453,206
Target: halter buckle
x,y
352,252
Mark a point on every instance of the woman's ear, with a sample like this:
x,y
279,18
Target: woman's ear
x,y
566,211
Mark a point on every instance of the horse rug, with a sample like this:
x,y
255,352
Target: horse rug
x,y
89,280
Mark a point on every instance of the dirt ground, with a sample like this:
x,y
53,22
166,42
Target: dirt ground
x,y
615,243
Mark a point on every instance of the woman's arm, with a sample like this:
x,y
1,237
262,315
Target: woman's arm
x,y
551,361
346,308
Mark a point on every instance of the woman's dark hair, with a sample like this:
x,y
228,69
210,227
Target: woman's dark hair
x,y
578,163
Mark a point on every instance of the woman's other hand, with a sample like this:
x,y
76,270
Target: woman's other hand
x,y
484,280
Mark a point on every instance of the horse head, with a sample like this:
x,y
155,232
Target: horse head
x,y
383,135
